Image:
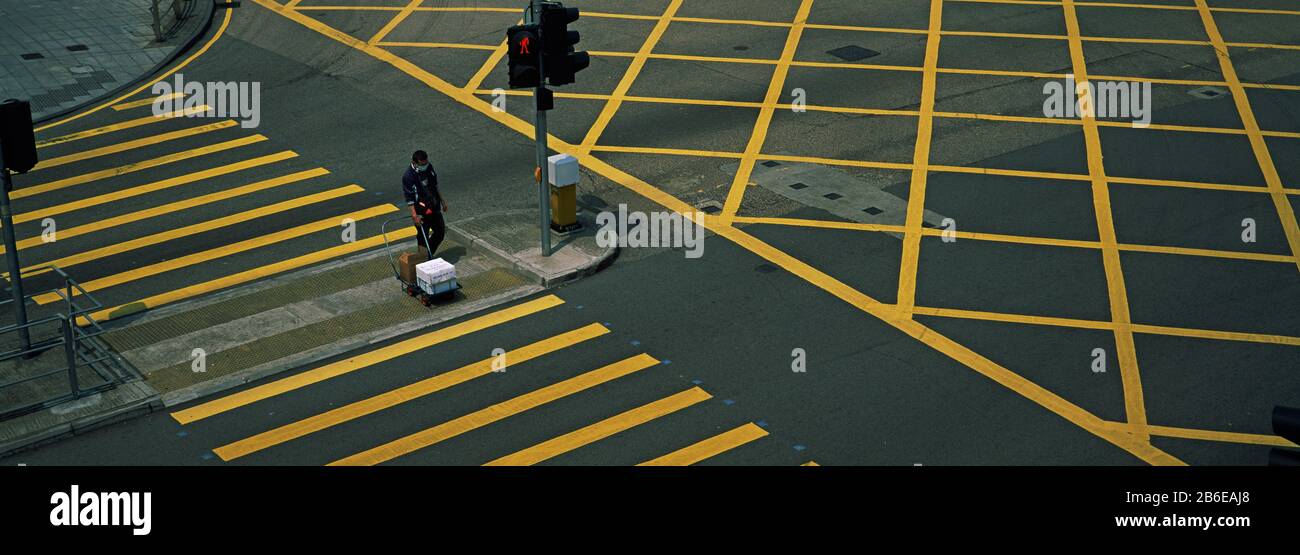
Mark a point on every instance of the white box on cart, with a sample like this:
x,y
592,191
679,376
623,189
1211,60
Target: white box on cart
x,y
435,276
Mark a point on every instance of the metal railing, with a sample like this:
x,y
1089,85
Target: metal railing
x,y
180,9
76,334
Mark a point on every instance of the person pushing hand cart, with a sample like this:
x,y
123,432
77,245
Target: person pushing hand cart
x,y
420,187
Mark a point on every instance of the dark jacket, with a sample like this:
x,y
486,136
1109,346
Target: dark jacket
x,y
422,187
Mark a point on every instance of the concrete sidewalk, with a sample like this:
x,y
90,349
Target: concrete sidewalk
x,y
297,319
67,54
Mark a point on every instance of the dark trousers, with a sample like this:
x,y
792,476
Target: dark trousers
x,y
434,228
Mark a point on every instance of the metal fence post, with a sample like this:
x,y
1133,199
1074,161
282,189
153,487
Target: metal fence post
x,y
70,350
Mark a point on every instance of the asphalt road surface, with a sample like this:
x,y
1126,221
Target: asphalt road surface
x,y
909,260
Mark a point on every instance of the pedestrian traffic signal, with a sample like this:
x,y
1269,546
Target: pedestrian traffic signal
x,y
525,51
562,62
17,141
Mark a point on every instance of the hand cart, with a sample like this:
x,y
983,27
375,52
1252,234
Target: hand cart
x,y
413,288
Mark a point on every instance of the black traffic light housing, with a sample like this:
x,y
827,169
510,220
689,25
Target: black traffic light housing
x,y
562,61
17,140
525,52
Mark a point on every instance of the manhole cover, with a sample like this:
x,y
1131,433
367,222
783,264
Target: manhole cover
x,y
873,210
771,163
78,48
833,196
852,53
797,186
32,56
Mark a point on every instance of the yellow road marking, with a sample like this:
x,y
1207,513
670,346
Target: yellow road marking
x,y
1257,143
1020,239
452,45
389,399
225,22
1102,325
128,124
587,435
246,276
1212,435
134,167
201,227
192,259
625,83
736,194
1134,400
106,198
497,412
176,96
364,360
886,313
810,463
396,20
908,270
711,447
498,53
170,208
137,143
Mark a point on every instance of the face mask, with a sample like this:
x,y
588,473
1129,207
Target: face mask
x,y
422,168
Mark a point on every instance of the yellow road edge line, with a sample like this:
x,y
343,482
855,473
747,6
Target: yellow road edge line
x,y
775,88
500,411
225,22
618,423
365,359
186,261
1117,293
128,124
629,76
908,268
135,167
1257,143
170,208
709,448
134,144
819,279
153,187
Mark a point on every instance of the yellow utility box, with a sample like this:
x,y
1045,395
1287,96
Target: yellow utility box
x,y
563,175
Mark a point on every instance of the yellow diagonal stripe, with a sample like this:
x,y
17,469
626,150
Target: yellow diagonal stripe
x,y
100,200
352,364
246,276
170,208
128,124
405,393
711,447
201,227
499,411
133,167
590,434
134,144
222,251
176,97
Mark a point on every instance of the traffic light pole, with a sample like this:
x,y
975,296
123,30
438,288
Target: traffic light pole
x,y
11,253
539,123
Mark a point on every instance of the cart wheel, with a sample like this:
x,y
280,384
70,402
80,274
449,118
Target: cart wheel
x,y
427,300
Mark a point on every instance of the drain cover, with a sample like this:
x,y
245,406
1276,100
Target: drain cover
x,y
833,196
852,53
771,163
1207,93
873,210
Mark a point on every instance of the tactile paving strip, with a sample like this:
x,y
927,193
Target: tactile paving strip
x,y
376,317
